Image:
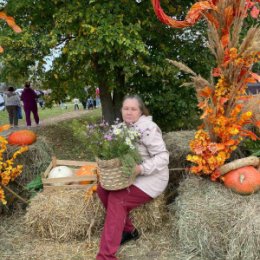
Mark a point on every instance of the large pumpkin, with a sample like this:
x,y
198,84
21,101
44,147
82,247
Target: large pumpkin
x,y
86,170
22,137
60,172
244,180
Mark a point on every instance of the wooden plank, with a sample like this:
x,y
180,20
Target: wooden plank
x,y
86,187
47,171
71,179
68,182
75,163
54,161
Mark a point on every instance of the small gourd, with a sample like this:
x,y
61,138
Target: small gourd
x,y
86,170
244,180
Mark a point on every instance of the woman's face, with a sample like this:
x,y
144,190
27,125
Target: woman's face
x,y
131,111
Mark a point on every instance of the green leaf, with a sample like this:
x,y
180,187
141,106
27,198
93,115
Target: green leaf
x,y
35,184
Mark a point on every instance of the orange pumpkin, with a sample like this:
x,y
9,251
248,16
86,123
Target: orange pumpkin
x,y
22,137
86,170
244,180
4,127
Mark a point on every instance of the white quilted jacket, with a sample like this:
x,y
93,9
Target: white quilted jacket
x,y
155,173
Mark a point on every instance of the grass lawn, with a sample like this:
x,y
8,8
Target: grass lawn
x,y
43,113
67,138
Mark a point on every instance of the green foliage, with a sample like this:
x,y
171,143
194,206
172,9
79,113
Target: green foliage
x,y
119,46
253,147
35,184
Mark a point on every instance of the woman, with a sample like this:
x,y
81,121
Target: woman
x,y
152,179
12,103
29,98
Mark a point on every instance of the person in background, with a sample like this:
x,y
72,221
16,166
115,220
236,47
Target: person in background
x,y
29,98
83,102
90,103
41,100
97,97
76,103
12,103
152,179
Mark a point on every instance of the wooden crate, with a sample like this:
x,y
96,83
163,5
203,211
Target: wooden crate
x,y
68,182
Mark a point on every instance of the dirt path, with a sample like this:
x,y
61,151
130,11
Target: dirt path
x,y
63,117
52,120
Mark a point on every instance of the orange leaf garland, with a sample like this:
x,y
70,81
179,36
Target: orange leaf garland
x,y
17,29
11,23
212,19
3,15
194,14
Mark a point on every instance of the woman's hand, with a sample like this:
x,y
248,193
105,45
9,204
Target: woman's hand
x,y
138,169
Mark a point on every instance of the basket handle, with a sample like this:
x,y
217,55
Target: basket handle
x,y
247,161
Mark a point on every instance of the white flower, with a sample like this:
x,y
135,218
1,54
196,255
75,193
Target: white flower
x,y
117,131
128,141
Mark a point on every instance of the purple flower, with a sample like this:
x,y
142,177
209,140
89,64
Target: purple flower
x,y
108,137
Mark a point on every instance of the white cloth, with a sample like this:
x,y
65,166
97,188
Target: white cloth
x,y
154,177
75,101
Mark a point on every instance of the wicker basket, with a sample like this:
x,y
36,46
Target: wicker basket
x,y
111,176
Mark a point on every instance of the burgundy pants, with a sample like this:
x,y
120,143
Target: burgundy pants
x,y
28,110
118,204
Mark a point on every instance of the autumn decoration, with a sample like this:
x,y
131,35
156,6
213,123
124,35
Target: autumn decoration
x,y
11,22
4,127
22,137
86,170
244,180
8,170
221,99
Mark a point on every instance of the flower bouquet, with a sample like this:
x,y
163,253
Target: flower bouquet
x,y
114,148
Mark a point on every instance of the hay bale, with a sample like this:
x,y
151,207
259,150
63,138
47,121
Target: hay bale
x,y
177,143
150,216
34,161
212,222
64,215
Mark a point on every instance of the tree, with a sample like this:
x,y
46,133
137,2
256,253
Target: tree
x,y
118,46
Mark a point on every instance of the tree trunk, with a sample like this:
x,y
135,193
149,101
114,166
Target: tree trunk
x,y
111,104
106,103
119,92
105,95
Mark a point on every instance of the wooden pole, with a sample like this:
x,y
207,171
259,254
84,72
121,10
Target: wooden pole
x,y
14,193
